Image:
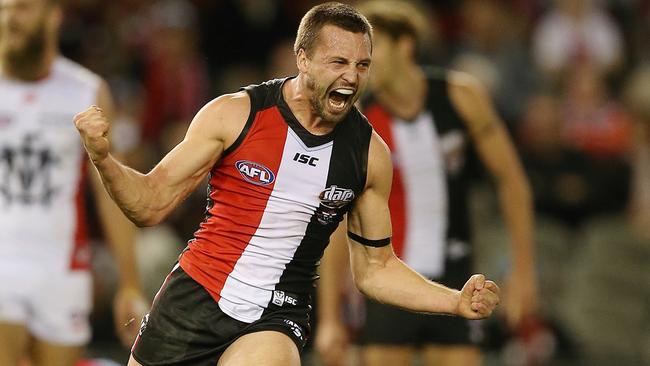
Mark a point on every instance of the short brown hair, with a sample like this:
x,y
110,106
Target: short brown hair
x,y
396,18
333,13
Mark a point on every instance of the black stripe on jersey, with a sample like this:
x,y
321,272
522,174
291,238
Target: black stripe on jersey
x,y
256,93
445,116
347,170
309,139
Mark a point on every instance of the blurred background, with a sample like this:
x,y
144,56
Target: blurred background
x,y
571,78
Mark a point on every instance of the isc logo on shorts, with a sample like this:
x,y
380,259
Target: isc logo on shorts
x,y
255,173
280,298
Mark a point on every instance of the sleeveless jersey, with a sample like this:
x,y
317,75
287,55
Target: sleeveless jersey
x,y
274,199
42,170
428,198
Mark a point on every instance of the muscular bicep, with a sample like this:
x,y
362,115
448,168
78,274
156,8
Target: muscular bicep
x,y
369,219
214,128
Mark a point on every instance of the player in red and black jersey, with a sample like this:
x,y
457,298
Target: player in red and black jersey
x,y
287,160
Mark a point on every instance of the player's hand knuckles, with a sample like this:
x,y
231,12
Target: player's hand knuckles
x,y
98,125
494,297
494,287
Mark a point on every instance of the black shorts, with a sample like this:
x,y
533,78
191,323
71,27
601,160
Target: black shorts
x,y
186,326
387,325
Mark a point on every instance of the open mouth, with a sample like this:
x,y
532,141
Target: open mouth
x,y
338,98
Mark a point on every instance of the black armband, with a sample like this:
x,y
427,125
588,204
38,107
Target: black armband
x,y
368,242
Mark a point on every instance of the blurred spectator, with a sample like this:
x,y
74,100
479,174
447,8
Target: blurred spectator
x,y
175,75
576,32
232,77
491,48
282,60
246,30
569,184
593,121
559,176
638,99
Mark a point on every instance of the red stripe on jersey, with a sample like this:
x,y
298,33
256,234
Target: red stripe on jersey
x,y
80,256
381,121
237,204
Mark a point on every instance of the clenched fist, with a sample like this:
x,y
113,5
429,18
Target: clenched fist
x,y
478,298
93,128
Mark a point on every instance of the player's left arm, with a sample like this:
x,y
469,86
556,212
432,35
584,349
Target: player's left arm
x,y
380,275
129,305
498,154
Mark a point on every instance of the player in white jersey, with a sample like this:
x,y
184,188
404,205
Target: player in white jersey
x,y
45,280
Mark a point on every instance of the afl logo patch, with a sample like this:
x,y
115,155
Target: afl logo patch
x,y
255,173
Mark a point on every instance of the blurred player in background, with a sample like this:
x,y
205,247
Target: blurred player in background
x,y
45,278
429,118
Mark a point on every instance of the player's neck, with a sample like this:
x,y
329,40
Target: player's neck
x,y
404,96
298,100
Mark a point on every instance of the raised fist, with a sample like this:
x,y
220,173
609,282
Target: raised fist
x,y
478,298
93,128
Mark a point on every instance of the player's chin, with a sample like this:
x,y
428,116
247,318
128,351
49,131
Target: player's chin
x,y
336,116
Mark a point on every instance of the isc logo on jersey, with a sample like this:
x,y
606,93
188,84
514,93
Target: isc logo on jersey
x,y
255,173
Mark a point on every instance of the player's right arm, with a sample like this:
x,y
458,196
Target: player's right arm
x,y
146,199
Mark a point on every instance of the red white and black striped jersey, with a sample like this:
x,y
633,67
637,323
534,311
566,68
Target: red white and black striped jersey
x,y
274,199
428,200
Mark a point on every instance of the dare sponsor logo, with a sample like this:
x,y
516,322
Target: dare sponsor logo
x,y
334,196
333,201
255,173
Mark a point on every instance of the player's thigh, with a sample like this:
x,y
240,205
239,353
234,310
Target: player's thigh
x,y
465,355
378,355
49,354
13,343
269,348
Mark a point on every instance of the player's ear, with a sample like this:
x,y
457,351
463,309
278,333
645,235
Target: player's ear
x,y
302,60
